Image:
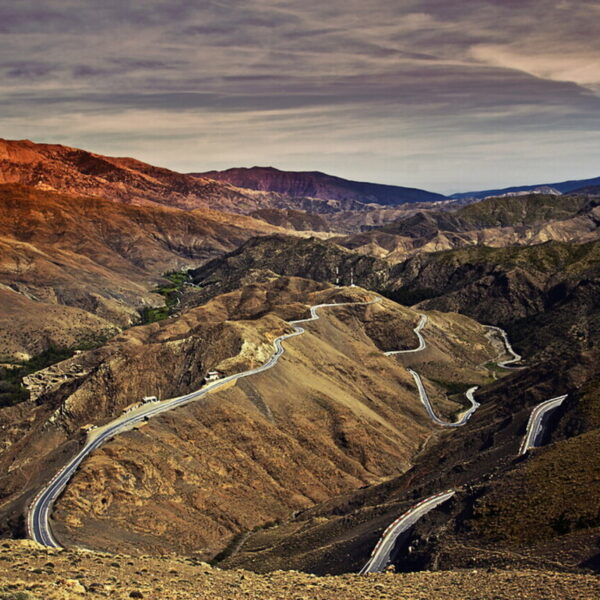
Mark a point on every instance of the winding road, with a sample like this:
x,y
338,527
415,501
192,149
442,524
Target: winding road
x,y
465,416
38,516
535,429
470,394
422,345
515,357
381,555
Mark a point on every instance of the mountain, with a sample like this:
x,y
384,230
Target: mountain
x,y
54,167
547,288
314,184
117,282
563,187
61,168
539,511
93,263
194,478
505,221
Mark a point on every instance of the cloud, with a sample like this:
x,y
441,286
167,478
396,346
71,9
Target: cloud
x,y
577,67
354,85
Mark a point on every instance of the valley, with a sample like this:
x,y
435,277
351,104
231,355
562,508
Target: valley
x,y
324,377
356,423
299,300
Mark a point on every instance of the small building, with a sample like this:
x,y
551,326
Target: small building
x,y
213,376
147,399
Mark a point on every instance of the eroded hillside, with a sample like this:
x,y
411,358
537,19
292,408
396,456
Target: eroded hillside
x,y
494,222
60,252
540,510
335,408
334,414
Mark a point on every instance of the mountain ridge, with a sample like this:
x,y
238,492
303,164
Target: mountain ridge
x,y
316,184
564,187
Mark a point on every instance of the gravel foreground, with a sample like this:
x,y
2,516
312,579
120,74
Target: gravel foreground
x,y
30,572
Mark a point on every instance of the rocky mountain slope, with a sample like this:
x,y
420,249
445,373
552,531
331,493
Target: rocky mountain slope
x,y
543,295
314,184
29,572
310,258
539,511
305,464
72,263
60,168
495,222
531,290
349,416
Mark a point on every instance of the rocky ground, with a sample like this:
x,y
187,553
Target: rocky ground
x,y
31,572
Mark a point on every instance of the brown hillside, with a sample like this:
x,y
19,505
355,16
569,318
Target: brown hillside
x,y
97,256
334,414
65,169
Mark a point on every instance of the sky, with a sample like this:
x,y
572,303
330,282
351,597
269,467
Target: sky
x,y
443,95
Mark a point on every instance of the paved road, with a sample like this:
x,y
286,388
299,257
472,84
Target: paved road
x,y
38,517
422,345
380,557
515,357
535,430
464,417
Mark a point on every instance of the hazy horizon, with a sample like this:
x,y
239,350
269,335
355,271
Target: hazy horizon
x,y
444,96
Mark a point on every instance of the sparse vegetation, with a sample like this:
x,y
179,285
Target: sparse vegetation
x,y
12,390
452,387
553,493
172,576
494,367
171,293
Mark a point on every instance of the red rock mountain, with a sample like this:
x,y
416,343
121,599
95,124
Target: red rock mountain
x,y
65,169
320,185
61,168
77,262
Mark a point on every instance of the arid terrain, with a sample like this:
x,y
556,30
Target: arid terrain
x,y
344,400
120,281
300,300
66,252
31,572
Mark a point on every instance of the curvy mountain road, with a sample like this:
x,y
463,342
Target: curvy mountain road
x,y
422,392
38,517
515,357
381,555
421,345
465,416
535,430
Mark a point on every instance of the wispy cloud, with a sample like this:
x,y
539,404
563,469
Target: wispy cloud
x,y
405,92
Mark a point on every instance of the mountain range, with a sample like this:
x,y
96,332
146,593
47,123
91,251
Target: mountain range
x,y
121,281
562,187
